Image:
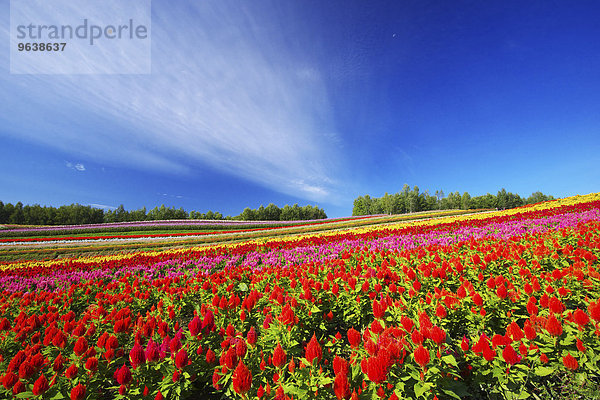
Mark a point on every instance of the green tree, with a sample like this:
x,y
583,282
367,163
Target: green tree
x,y
465,202
248,214
272,212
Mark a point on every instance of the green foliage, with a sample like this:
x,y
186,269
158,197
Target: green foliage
x,y
77,214
412,200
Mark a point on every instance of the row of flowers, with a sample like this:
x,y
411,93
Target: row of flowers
x,y
451,309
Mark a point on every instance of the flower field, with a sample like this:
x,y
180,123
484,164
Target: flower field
x,y
491,305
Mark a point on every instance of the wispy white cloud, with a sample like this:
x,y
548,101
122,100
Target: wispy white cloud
x,y
224,90
78,166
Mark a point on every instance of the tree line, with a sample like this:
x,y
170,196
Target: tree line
x,y
77,214
413,200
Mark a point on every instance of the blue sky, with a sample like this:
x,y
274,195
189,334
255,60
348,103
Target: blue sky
x,y
315,102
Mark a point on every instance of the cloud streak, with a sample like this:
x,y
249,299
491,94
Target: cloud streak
x,y
225,90
79,167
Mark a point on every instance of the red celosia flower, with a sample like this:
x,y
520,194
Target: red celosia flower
x,y
407,323
544,358
4,325
111,342
416,337
287,315
210,356
123,375
379,309
416,286
195,326
241,348
376,327
229,359
464,345
19,388
421,355
570,362
9,380
313,350
594,310
510,355
181,359
91,364
230,330
279,356
260,392
251,337
137,355
523,349
477,299
152,351
340,366
175,345
37,360
580,346
555,305
40,385
581,318
377,367
242,379
26,370
553,326
437,334
501,291
353,338
59,340
341,387
208,324
78,392
499,340
58,363
515,331
159,396
440,311
71,372
81,346
530,333
488,353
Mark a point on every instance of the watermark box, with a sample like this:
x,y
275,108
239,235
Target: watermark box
x,y
80,37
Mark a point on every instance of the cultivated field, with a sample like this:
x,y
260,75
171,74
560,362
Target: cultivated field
x,y
436,305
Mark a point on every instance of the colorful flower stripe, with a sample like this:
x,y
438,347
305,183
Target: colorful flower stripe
x,y
177,223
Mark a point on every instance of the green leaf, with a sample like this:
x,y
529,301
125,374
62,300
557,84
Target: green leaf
x,y
421,388
242,287
449,359
293,389
523,395
25,395
543,371
451,393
